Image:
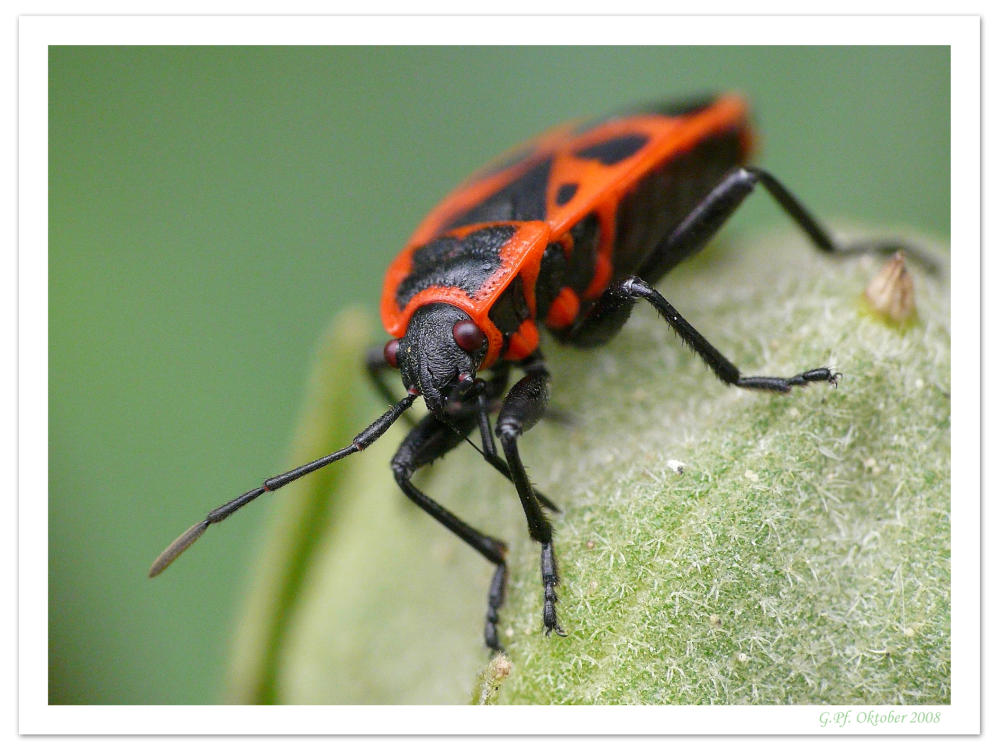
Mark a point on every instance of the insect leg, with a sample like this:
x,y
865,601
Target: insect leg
x,y
490,393
523,407
486,392
699,226
426,442
615,305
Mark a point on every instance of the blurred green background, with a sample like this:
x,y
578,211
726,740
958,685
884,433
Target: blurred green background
x,y
210,209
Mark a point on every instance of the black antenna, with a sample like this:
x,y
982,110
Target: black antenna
x,y
361,441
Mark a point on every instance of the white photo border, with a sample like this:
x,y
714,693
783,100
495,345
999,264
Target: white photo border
x,y
37,33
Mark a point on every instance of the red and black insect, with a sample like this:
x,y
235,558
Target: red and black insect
x,y
569,232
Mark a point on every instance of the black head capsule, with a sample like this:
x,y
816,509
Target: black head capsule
x,y
441,344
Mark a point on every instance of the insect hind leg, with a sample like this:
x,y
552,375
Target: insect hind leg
x,y
705,220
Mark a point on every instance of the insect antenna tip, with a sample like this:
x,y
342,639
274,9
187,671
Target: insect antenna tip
x,y
179,544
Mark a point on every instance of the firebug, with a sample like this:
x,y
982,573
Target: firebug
x,y
566,234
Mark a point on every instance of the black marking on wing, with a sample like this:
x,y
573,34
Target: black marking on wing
x,y
566,192
614,150
463,263
520,200
586,235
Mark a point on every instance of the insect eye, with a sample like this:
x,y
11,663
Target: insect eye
x,y
468,336
391,353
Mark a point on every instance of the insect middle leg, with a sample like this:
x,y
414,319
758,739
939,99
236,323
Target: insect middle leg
x,y
613,308
429,440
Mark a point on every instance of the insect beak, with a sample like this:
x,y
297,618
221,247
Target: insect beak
x,y
463,391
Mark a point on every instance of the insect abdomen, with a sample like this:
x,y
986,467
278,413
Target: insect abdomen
x,y
652,210
636,223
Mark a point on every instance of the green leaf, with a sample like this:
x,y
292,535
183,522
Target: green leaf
x,y
801,556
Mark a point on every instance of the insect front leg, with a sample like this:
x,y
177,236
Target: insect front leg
x,y
614,306
426,442
524,406
487,393
488,397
